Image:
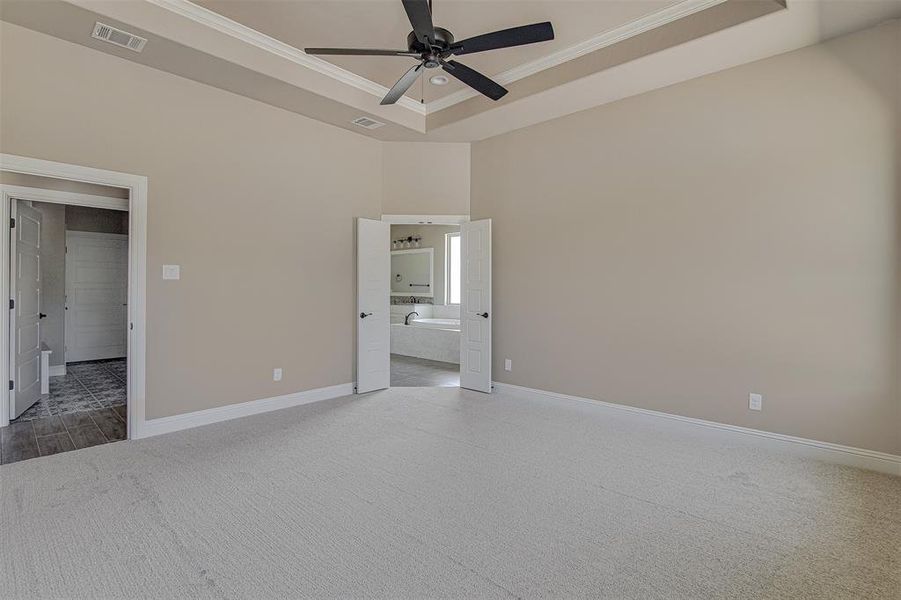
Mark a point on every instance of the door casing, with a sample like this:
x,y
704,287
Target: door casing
x,y
136,204
426,220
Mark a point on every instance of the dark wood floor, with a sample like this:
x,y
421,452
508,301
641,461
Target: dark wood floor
x,y
61,433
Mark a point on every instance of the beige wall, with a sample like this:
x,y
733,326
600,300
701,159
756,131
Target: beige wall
x,y
432,237
53,278
736,233
425,178
244,196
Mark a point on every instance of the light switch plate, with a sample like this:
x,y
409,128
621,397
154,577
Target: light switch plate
x,y
755,401
508,364
171,272
277,374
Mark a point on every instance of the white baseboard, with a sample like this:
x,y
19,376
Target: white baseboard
x,y
826,451
57,370
152,427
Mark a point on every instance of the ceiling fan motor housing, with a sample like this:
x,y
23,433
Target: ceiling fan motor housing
x,y
443,41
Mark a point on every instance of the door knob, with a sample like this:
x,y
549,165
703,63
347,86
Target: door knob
x,y
484,315
41,315
364,315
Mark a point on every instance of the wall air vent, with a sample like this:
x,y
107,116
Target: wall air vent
x,y
120,38
367,123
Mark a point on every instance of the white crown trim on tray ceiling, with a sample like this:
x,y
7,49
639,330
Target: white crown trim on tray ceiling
x,y
214,20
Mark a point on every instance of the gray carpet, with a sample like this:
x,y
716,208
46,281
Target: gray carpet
x,y
426,493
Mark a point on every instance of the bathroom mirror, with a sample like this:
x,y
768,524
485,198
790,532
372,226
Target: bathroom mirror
x,y
412,272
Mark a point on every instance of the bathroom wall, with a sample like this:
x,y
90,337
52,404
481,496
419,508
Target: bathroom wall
x,y
432,237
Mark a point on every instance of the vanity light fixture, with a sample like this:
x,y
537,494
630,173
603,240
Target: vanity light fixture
x,y
410,241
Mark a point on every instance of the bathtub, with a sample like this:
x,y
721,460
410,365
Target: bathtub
x,y
427,340
452,324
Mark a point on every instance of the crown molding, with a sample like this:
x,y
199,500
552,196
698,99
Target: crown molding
x,y
602,40
215,21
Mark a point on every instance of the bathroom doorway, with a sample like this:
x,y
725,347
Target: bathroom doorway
x,y
425,305
423,308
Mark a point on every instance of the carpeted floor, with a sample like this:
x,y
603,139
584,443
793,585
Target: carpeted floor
x,y
438,492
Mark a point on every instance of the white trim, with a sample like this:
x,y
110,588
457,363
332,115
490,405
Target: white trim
x,y
57,370
59,197
425,219
198,418
602,40
446,266
826,451
137,269
222,24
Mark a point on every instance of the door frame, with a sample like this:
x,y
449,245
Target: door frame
x,y
136,204
427,220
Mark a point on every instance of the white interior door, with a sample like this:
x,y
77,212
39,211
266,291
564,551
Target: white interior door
x,y
475,308
373,293
25,315
96,295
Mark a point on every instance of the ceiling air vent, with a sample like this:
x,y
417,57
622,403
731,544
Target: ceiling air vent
x,y
110,34
367,123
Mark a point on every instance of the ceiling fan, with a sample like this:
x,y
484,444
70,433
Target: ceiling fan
x,y
432,46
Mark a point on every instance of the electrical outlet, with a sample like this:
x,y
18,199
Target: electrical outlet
x,y
508,364
276,374
755,402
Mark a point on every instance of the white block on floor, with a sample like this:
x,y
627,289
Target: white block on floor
x,y
45,368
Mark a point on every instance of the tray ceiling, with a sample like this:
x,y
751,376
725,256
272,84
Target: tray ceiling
x,y
384,24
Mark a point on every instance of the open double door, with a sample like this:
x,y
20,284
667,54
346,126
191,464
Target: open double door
x,y
373,305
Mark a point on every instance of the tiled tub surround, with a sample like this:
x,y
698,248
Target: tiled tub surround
x,y
423,342
426,311
85,386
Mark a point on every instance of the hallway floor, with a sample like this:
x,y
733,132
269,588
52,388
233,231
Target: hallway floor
x,y
85,386
85,407
407,371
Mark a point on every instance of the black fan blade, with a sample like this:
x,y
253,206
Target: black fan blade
x,y
474,79
402,85
360,52
420,16
506,38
